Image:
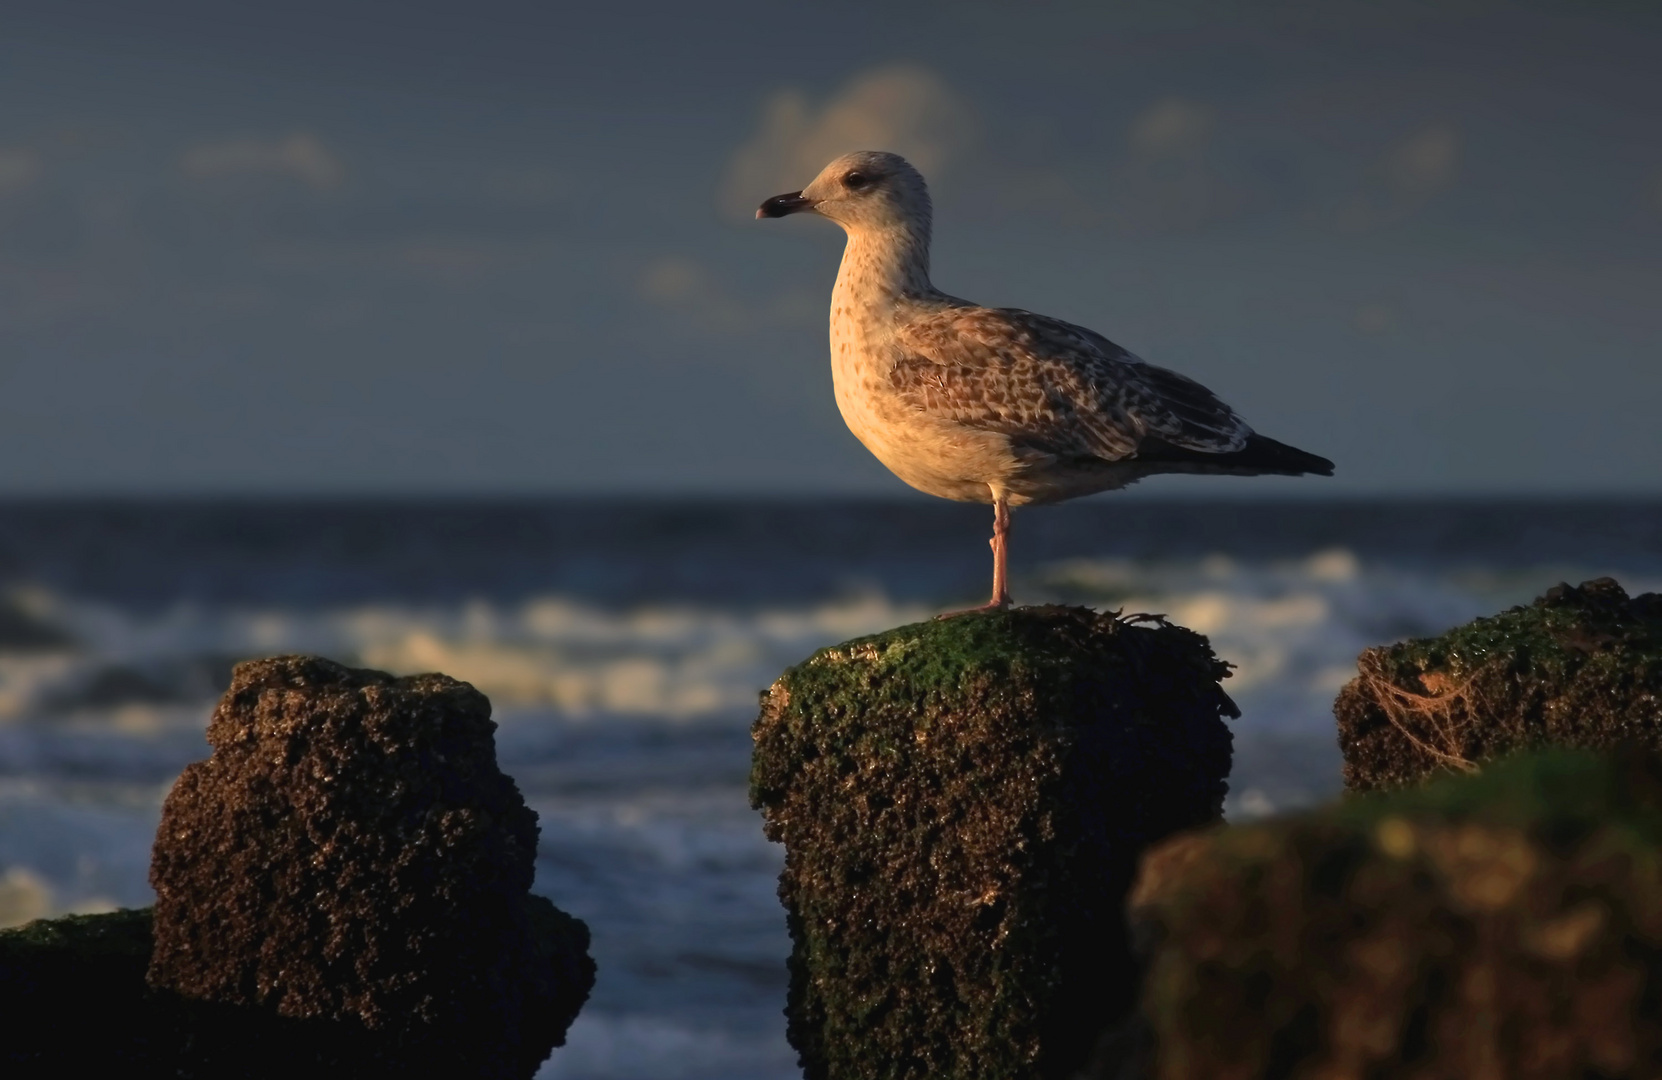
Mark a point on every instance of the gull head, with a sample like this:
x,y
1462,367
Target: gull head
x,y
868,189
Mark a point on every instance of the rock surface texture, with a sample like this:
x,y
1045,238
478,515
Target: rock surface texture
x,y
351,858
1580,667
75,1002
962,805
1506,926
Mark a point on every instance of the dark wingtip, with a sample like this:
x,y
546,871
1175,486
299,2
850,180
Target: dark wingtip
x,y
1261,456
1279,455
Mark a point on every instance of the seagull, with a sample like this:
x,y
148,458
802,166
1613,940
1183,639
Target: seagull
x,y
998,405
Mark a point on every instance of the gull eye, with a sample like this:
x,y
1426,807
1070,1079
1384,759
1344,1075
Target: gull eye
x,y
857,181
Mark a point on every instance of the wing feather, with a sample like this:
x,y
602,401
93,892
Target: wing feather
x,y
1053,386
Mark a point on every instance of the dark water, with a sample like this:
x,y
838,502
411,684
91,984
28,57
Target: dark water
x,y
307,553
623,644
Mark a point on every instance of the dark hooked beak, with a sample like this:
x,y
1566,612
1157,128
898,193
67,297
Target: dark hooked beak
x,y
780,205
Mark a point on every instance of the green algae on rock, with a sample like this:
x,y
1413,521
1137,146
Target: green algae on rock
x,y
1505,926
1580,667
75,1002
962,804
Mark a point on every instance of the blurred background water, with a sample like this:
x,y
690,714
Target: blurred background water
x,y
623,645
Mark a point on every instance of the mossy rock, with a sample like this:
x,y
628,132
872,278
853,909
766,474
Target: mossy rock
x,y
962,804
1505,926
1580,667
75,1001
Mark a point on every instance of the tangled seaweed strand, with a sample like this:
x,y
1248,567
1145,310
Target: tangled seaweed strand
x,y
1431,722
1580,667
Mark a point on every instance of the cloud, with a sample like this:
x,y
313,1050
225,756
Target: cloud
x,y
19,166
903,108
301,156
1374,319
1167,181
674,281
688,290
1425,162
1403,180
527,186
451,261
1172,128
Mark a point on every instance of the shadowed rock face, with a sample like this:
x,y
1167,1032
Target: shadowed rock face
x,y
1580,667
352,855
75,1002
1506,926
962,805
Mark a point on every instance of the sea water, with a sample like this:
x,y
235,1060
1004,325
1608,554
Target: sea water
x,y
623,645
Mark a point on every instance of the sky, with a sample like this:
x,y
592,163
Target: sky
x,y
500,248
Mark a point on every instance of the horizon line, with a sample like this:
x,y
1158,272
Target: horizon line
x,y
665,496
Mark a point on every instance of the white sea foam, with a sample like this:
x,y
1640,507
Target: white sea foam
x,y
91,735
626,729
24,897
1292,628
674,663
70,846
602,1045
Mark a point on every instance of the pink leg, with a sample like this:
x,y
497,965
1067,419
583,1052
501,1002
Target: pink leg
x,y
1001,571
1000,544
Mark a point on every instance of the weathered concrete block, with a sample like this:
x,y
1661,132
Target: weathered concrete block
x,y
962,805
351,855
72,996
1506,926
75,1003
1580,667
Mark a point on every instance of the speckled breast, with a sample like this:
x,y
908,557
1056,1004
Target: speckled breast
x,y
944,460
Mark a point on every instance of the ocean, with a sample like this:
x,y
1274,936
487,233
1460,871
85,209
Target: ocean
x,y
623,644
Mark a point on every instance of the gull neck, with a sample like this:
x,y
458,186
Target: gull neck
x,y
881,265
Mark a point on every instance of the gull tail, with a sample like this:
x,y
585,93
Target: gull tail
x,y
1261,456
1278,459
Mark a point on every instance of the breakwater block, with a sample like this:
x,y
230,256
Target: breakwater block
x,y
1503,926
350,859
1580,667
963,804
75,1002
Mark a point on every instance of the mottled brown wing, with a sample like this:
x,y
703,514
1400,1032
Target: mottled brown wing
x,y
1054,386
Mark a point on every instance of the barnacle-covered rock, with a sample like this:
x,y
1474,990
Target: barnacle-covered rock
x,y
1580,667
1505,926
963,804
351,857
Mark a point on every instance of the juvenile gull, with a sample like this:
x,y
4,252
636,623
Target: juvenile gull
x,y
998,405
